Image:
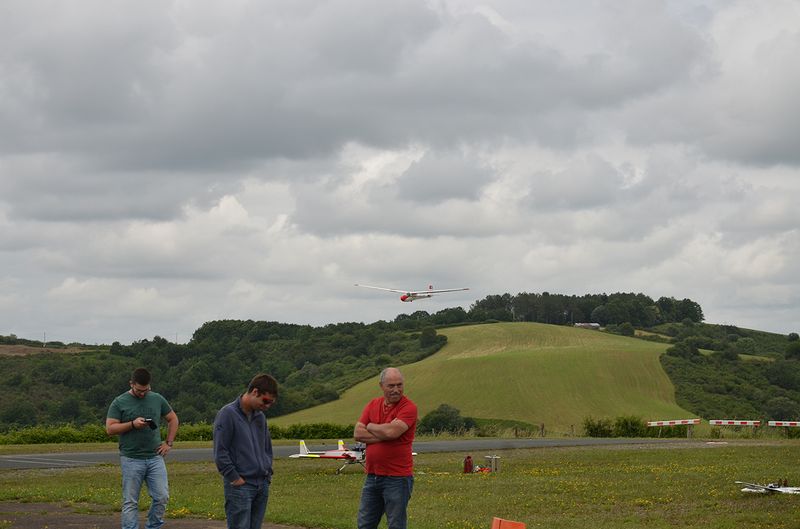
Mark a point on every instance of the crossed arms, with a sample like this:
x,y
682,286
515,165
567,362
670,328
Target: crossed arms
x,y
375,433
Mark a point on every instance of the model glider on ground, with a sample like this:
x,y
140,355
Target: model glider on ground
x,y
350,457
771,488
411,295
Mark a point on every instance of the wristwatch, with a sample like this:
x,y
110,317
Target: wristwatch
x,y
169,443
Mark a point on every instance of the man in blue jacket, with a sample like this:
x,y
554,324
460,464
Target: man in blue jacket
x,y
243,453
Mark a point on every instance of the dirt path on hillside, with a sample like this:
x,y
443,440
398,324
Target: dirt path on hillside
x,y
24,350
56,516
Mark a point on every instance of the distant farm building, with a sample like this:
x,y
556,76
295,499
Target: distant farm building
x,y
595,326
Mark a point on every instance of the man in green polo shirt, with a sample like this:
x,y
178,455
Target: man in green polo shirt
x,y
136,417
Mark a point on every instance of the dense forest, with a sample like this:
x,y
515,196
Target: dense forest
x,y
722,371
312,364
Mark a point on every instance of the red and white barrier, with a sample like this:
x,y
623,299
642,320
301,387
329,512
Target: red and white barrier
x,y
677,422
784,423
733,422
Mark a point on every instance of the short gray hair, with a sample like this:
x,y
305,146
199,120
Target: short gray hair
x,y
383,373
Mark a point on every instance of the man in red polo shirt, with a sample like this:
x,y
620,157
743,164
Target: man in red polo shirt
x,y
387,427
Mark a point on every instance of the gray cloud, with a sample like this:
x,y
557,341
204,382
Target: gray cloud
x,y
442,176
166,163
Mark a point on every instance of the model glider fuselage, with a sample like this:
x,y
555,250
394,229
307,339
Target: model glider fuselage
x,y
770,488
341,453
347,456
411,295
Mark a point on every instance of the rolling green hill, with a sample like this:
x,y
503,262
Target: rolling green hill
x,y
528,372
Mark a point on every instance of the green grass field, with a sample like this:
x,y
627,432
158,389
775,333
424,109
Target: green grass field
x,y
691,485
529,372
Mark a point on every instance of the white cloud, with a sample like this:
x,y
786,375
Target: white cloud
x,y
167,163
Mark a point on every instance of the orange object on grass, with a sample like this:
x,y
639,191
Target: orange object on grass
x,y
499,523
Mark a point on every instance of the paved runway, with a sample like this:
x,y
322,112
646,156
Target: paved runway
x,y
79,459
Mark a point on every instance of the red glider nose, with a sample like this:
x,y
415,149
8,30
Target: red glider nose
x,y
405,297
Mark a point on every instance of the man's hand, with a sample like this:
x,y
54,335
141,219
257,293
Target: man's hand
x,y
238,483
361,434
115,427
163,449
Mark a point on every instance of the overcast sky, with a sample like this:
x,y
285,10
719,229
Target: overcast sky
x,y
167,163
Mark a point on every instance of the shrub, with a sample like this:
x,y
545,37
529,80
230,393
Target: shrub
x,y
445,418
598,427
630,426
626,329
201,431
793,351
315,431
96,433
90,433
683,349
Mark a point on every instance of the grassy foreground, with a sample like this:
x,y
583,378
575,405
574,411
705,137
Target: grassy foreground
x,y
690,485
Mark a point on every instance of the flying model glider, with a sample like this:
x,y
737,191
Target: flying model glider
x,y
411,295
350,457
770,488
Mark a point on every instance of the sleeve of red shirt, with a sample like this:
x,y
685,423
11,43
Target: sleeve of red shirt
x,y
408,414
364,419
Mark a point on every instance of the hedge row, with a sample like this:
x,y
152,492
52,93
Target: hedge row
x,y
628,426
94,433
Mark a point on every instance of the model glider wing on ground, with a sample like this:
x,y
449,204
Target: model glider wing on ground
x,y
770,488
411,295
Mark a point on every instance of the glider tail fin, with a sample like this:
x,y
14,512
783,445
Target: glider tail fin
x,y
303,449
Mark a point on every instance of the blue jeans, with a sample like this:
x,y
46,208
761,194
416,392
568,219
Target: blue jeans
x,y
245,505
385,494
153,472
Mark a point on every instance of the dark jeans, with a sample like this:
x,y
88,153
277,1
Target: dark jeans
x,y
245,505
385,494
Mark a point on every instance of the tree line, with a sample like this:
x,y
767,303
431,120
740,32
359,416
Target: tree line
x,y
639,310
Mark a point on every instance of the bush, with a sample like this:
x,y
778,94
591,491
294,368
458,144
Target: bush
x,y
598,427
630,426
793,351
90,433
313,431
445,418
683,349
95,433
201,431
626,329
668,431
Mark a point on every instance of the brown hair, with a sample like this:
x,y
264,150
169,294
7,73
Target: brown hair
x,y
264,384
140,376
